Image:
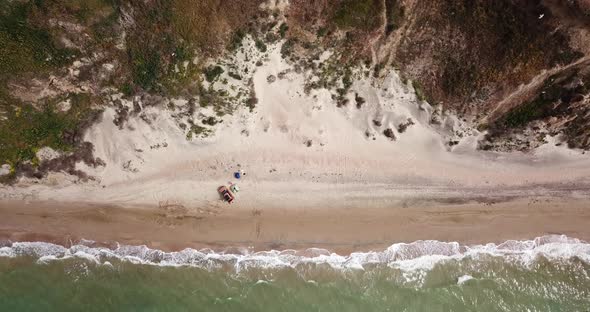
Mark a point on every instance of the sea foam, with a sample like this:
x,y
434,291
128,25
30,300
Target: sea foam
x,y
408,257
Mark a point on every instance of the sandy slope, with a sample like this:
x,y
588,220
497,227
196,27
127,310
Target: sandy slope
x,y
342,169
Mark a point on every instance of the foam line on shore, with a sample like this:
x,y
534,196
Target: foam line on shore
x,y
419,255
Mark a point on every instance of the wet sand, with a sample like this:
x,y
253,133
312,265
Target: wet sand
x,y
343,230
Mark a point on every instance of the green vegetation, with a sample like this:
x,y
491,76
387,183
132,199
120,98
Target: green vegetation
x,y
283,29
103,30
29,48
516,48
197,131
554,98
126,89
196,22
460,78
567,56
234,75
182,73
358,14
260,45
333,74
213,72
322,31
146,67
347,78
251,103
150,46
219,100
25,47
161,48
205,23
86,12
419,91
163,45
236,40
26,128
394,14
210,121
523,114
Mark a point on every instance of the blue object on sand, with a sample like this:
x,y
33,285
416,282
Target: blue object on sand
x,y
237,175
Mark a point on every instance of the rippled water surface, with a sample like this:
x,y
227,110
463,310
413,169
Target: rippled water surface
x,y
547,274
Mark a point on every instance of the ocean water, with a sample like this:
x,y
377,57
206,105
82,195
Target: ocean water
x,y
550,273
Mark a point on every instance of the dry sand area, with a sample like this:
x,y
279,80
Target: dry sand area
x,y
317,175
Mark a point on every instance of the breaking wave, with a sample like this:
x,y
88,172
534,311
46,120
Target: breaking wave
x,y
419,255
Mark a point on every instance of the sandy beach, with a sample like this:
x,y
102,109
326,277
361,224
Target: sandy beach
x,y
317,176
344,230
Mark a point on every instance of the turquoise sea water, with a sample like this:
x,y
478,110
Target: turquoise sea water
x,y
548,274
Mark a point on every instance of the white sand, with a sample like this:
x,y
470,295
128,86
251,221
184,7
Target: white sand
x,y
341,167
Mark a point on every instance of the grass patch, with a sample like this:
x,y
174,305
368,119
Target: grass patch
x,y
103,30
217,99
260,45
210,121
236,40
182,73
207,23
523,114
213,72
197,131
26,129
283,29
419,91
126,89
394,14
25,47
322,31
197,22
358,14
146,67
85,12
553,99
516,48
461,78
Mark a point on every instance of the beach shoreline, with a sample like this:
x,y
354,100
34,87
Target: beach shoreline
x,y
344,230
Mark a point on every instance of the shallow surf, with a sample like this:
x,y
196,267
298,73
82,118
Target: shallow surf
x,y
549,273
